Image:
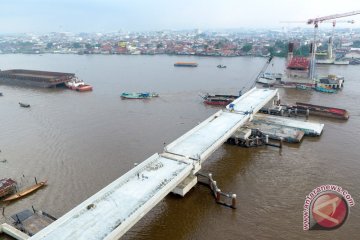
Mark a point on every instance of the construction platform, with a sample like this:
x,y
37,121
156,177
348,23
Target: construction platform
x,y
112,211
309,128
34,78
31,222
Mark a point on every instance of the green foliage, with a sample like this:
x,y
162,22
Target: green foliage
x,y
247,47
303,50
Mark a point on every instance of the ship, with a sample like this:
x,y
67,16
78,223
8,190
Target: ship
x,y
34,78
78,85
219,100
143,95
266,78
298,63
185,64
330,81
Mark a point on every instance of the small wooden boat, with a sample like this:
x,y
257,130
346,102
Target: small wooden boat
x,y
221,66
7,186
324,90
144,95
24,105
302,87
24,192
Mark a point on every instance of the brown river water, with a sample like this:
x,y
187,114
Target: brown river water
x,y
80,142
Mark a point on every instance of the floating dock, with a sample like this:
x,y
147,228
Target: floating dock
x,y
34,78
112,211
309,128
31,222
275,132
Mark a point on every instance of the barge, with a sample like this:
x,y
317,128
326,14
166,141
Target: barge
x,y
219,100
31,222
35,78
185,64
323,111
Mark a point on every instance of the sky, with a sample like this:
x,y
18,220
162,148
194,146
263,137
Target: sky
x,y
40,16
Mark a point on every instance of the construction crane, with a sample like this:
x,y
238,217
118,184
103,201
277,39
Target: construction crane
x,y
316,22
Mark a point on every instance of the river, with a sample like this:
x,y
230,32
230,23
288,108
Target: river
x,y
80,142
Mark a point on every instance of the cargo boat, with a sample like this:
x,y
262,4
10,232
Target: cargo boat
x,y
323,111
219,100
185,64
35,78
144,95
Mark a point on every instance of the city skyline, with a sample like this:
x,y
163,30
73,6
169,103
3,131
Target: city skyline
x,y
110,15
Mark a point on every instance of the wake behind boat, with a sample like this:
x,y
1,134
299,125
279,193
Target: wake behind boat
x,y
143,95
25,192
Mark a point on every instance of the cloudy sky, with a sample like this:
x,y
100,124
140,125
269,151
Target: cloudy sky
x,y
141,15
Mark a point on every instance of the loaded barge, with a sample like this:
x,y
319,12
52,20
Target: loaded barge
x,y
185,64
35,78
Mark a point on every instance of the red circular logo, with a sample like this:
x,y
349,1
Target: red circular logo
x,y
330,210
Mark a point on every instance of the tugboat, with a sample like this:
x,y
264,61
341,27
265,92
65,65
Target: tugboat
x,y
78,85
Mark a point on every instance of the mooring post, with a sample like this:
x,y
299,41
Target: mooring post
x,y
36,181
281,142
218,195
233,201
214,187
267,139
3,211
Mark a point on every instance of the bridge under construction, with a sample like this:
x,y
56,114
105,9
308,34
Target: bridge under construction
x,y
112,211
